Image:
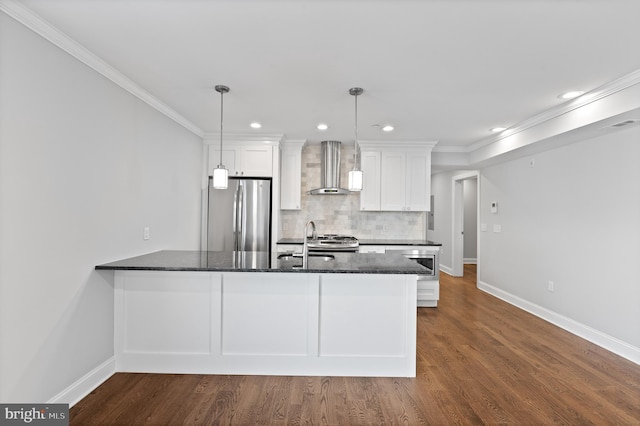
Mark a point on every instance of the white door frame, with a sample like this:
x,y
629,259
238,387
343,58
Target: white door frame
x,y
457,225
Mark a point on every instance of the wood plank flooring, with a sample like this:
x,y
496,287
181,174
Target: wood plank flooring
x,y
480,361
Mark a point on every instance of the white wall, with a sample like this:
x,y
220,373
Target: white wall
x,y
84,166
572,219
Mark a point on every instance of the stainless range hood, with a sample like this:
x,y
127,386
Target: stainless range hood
x,y
329,170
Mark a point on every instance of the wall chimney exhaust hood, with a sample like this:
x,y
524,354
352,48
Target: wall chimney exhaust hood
x,y
329,170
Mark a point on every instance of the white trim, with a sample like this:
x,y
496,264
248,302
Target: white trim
x,y
456,219
35,23
212,138
447,270
590,334
396,144
86,384
469,261
595,95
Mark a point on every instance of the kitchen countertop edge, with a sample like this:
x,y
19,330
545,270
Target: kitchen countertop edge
x,y
192,261
373,242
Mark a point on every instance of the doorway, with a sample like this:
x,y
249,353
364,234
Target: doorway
x,y
460,199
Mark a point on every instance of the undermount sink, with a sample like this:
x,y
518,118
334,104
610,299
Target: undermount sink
x,y
290,256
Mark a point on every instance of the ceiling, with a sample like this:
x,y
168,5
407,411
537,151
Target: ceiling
x,y
437,70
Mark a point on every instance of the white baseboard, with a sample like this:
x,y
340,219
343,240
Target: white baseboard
x,y
594,336
470,260
86,384
446,270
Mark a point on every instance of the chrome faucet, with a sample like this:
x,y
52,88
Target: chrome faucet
x,y
305,248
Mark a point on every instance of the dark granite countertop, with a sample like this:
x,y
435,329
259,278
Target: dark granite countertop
x,y
373,242
213,261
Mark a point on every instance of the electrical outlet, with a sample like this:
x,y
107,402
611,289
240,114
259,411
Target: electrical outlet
x,y
145,233
497,228
483,227
551,286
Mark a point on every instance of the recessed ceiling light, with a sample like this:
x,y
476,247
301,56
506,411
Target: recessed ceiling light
x,y
255,125
498,129
571,95
387,128
322,126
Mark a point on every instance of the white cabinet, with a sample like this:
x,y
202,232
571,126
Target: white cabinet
x,y
228,160
397,176
250,161
392,181
291,175
370,194
405,181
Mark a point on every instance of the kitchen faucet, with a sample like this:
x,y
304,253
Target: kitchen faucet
x,y
305,248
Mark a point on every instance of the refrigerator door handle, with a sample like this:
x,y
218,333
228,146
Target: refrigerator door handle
x,y
242,215
236,217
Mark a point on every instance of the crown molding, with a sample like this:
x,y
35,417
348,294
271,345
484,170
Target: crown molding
x,y
376,144
35,23
249,138
594,95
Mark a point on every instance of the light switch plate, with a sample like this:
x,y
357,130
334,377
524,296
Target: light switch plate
x,y
483,227
497,228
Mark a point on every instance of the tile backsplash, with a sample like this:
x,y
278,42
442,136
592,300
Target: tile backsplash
x,y
340,214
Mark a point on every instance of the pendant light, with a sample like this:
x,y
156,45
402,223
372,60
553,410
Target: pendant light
x,y
220,173
355,175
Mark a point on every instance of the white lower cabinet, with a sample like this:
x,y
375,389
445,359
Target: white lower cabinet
x,y
428,293
265,323
428,289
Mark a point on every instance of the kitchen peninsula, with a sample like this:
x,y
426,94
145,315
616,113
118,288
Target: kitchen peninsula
x,y
348,314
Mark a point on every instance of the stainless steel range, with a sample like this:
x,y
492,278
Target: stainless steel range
x,y
333,242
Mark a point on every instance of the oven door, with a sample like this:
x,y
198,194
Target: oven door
x,y
428,259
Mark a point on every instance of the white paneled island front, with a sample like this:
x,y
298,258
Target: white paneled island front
x,y
234,313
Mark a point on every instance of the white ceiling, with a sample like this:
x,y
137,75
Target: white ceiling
x,y
438,70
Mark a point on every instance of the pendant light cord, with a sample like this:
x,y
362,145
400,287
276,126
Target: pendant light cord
x,y
221,117
355,143
355,91
222,90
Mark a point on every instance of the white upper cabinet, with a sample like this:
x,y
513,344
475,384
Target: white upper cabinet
x,y
393,181
370,194
255,160
291,175
397,176
228,160
243,160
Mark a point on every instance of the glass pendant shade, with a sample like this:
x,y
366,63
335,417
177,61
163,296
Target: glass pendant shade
x,y
355,180
220,177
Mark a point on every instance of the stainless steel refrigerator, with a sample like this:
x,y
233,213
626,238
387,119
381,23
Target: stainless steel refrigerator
x,y
239,217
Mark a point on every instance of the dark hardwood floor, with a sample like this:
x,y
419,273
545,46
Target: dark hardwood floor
x,y
480,361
